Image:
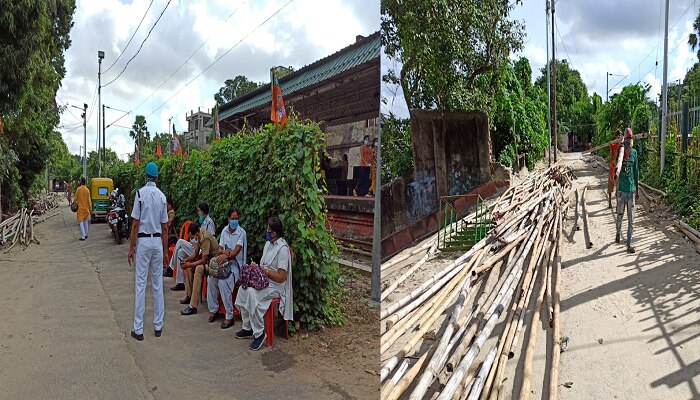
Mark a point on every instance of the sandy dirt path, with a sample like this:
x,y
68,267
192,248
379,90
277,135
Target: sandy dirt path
x,y
633,320
67,309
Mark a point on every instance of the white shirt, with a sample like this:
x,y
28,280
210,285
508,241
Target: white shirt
x,y
231,240
208,224
150,209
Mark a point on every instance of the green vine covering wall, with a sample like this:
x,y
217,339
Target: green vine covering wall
x,y
262,173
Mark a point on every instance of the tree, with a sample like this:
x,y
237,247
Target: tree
x,y
694,37
574,106
450,51
139,131
33,37
234,88
630,107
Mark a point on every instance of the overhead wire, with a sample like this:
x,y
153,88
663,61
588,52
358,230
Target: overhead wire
x,y
140,47
223,55
131,38
181,65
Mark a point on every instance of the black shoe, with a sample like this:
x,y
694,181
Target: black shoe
x,y
168,272
138,337
224,325
178,287
189,310
159,332
630,249
244,334
213,317
617,238
257,342
186,300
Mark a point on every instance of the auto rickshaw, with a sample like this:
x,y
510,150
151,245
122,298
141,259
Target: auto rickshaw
x,y
100,188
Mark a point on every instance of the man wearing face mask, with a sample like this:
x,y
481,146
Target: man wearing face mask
x,y
195,267
627,175
185,249
233,246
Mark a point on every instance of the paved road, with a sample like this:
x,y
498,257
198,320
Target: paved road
x,y
67,310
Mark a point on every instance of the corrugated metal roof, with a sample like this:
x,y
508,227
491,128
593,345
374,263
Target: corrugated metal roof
x,y
349,57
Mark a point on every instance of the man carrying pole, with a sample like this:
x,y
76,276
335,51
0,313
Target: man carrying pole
x,y
614,147
627,175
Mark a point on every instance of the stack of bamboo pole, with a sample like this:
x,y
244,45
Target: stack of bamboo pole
x,y
459,306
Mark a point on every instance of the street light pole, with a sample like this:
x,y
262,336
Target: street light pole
x,y
100,56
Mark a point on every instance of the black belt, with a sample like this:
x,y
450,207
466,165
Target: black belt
x,y
142,235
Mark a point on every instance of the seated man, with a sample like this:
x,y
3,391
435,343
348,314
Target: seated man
x,y
233,246
195,270
184,249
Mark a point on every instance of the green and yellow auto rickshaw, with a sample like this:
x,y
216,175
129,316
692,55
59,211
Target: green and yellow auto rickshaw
x,y
100,188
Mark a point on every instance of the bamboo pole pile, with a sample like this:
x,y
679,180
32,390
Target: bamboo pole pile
x,y
458,307
45,202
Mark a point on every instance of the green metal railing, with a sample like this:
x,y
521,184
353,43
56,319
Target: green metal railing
x,y
457,232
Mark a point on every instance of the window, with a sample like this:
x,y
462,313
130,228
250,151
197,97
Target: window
x,y
102,191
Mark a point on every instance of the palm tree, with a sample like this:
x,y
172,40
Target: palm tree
x,y
694,37
139,130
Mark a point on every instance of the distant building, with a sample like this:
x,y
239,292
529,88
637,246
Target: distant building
x,y
197,130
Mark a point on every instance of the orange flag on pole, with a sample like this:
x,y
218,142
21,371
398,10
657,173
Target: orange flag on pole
x,y
159,153
217,137
177,149
278,114
137,161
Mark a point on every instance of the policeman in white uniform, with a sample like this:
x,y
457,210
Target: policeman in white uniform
x,y
150,217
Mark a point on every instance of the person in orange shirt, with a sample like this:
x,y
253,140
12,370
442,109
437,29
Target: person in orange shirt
x,y
373,170
82,197
611,173
365,160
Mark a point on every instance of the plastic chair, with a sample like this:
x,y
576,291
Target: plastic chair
x,y
270,316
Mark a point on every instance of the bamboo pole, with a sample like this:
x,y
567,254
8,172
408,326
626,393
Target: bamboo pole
x,y
409,272
687,233
586,234
661,192
478,386
406,380
556,346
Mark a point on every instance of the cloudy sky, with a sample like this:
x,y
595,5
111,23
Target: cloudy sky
x,y
172,74
621,37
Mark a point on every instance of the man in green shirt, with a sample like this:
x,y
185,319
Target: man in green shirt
x,y
627,175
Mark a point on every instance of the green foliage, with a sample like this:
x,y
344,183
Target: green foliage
x,y
33,36
139,131
449,50
262,173
234,88
518,116
397,149
574,106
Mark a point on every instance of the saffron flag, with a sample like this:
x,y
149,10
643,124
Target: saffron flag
x,y
216,125
278,114
177,149
159,153
137,160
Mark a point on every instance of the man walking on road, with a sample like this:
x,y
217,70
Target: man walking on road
x,y
627,175
82,197
614,148
150,241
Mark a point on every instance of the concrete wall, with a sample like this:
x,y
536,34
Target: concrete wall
x,y
346,139
452,156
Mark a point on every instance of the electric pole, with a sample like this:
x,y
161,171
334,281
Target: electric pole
x,y
85,141
104,142
100,56
376,235
554,86
664,92
549,94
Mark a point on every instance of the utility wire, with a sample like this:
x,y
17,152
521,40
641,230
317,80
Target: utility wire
x,y
181,65
223,55
68,109
131,38
140,47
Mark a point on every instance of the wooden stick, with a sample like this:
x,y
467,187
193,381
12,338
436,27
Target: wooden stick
x,y
687,233
480,379
600,146
556,346
409,272
689,228
397,390
661,192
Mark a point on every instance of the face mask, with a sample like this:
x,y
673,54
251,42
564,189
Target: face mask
x,y
194,240
201,219
233,224
366,142
268,236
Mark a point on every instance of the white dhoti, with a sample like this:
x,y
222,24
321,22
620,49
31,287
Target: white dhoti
x,y
149,258
183,249
253,305
225,287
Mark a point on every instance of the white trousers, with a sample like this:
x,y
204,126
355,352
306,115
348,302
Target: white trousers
x,y
225,287
253,305
149,259
83,228
183,249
